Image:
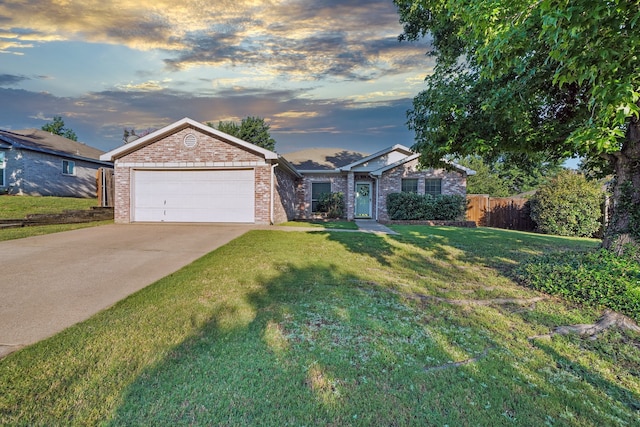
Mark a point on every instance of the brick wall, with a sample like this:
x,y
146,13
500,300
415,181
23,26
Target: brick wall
x,y
391,182
303,193
284,206
209,152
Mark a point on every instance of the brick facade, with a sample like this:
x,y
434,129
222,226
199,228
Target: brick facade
x,y
285,196
389,182
172,153
188,145
303,193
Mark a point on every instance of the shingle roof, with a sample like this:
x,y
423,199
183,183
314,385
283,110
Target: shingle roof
x,y
323,158
39,140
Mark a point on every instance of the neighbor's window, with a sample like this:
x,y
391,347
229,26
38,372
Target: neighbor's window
x,y
433,186
317,189
2,168
410,185
68,167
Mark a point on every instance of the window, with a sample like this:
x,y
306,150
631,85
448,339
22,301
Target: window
x,y
3,166
317,189
433,186
68,167
409,185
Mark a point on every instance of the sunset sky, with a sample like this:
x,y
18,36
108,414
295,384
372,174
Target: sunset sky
x,y
323,73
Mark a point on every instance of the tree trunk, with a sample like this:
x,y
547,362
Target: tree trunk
x,y
624,214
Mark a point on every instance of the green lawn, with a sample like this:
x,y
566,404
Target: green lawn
x,y
328,224
330,328
38,230
16,207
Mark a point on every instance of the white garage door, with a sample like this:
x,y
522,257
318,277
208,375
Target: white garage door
x,y
194,196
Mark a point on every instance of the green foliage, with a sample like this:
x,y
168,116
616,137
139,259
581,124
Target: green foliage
x,y
57,127
568,206
13,207
332,204
552,77
631,209
251,129
420,207
600,279
507,175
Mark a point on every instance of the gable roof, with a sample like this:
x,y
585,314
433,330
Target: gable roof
x,y
323,159
177,126
400,148
336,160
46,142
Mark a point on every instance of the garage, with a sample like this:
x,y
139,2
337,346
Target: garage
x,y
193,195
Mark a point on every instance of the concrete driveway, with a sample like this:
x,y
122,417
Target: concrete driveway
x,y
48,283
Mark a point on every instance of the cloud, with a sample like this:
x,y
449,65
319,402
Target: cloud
x,y
11,80
299,40
100,117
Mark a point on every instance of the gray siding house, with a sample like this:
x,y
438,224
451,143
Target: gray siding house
x,y
38,163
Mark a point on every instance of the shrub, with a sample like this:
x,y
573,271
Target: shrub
x,y
568,206
412,206
600,278
332,204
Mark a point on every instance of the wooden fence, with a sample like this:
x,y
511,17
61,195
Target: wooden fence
x,y
106,189
501,212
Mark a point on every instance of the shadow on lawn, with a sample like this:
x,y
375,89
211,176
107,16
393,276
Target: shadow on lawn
x,y
327,346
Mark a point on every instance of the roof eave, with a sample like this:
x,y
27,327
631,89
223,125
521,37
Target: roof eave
x,y
324,171
179,125
288,166
380,171
395,147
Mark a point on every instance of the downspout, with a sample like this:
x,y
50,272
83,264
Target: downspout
x,y
377,195
271,207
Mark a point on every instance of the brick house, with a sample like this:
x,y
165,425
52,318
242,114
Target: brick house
x,y
37,163
190,172
367,180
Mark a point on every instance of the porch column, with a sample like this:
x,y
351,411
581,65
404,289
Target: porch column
x,y
350,196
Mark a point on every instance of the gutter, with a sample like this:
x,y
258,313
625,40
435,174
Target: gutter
x,y
271,204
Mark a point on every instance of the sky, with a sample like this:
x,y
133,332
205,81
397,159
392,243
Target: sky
x,y
322,73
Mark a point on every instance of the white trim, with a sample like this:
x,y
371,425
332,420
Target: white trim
x,y
175,127
396,147
71,163
3,168
119,164
271,205
383,169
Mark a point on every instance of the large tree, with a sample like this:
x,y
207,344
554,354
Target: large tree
x,y
251,129
558,77
508,176
57,127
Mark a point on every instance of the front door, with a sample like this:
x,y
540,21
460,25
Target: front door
x,y
363,200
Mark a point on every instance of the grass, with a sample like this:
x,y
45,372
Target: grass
x,y
328,328
328,224
17,207
38,230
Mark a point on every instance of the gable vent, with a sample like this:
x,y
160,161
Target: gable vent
x,y
190,140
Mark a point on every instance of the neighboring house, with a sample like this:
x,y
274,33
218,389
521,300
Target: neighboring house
x,y
190,172
36,162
